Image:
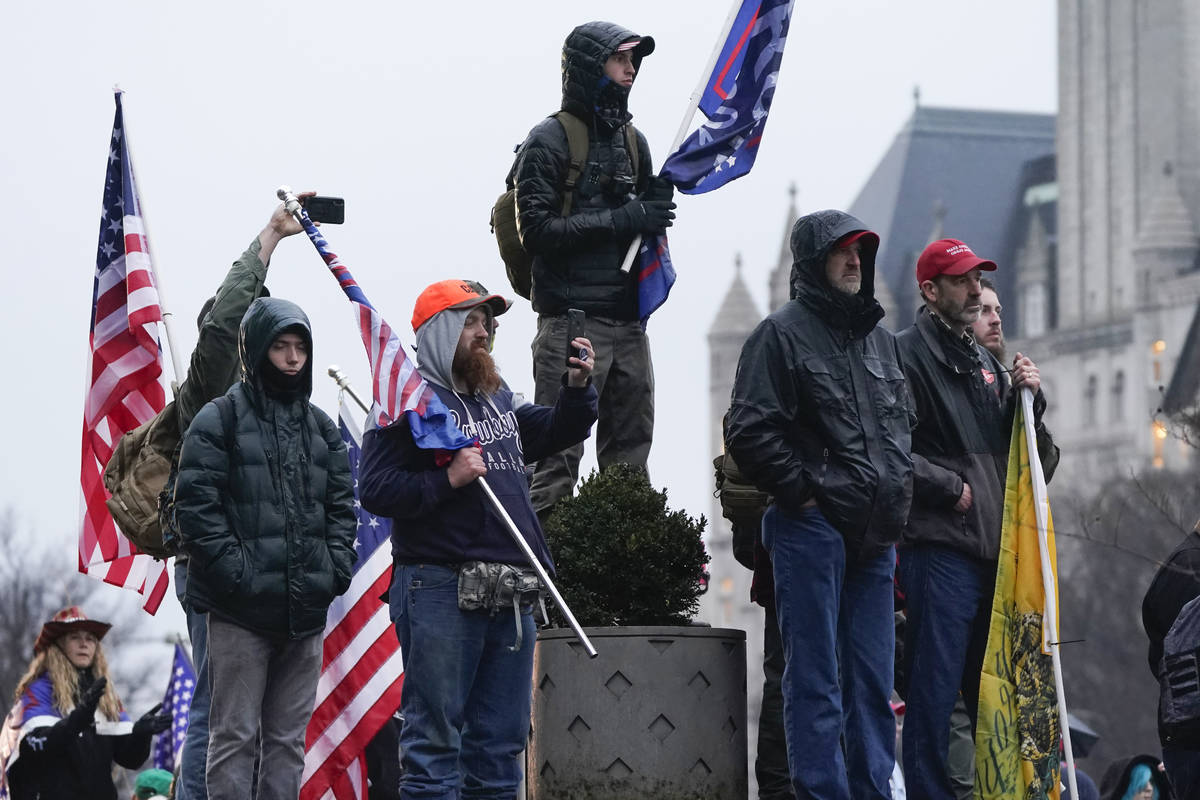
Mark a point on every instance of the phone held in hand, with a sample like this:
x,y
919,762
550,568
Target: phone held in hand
x,y
326,209
575,319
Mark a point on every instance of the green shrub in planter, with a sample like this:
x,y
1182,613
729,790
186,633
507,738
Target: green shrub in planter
x,y
623,557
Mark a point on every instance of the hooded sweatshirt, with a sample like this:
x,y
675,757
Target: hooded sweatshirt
x,y
436,523
819,409
263,498
577,258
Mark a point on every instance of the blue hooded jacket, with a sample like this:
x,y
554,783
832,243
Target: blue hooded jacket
x,y
436,524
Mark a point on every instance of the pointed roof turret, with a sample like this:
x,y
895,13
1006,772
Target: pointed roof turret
x,y
738,313
1168,224
779,284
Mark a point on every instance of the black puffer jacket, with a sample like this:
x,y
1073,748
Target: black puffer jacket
x,y
819,408
577,258
269,522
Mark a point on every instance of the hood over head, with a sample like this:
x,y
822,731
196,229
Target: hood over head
x,y
584,53
813,237
266,318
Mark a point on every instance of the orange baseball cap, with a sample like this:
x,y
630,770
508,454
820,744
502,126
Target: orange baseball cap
x,y
458,294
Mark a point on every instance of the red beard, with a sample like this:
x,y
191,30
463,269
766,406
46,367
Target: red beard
x,y
477,370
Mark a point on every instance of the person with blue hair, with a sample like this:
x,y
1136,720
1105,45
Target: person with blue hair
x,y
1137,778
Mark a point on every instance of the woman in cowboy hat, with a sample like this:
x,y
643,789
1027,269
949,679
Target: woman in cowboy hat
x,y
69,723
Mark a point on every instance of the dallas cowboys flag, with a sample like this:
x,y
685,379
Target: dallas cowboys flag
x,y
168,745
735,100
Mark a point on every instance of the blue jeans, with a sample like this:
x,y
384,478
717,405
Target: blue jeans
x,y
836,623
466,696
949,607
191,784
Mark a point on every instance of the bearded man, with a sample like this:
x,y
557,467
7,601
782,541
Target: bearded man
x,y
468,668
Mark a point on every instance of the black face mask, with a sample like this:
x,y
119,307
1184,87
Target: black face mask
x,y
279,385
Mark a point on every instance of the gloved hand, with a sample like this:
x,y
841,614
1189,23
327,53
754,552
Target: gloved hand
x,y
659,189
85,713
647,217
152,722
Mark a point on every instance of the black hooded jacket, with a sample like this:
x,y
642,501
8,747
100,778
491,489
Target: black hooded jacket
x,y
267,518
819,409
577,258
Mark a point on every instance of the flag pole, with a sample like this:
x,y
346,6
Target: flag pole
x,y
1041,505
167,316
344,384
690,113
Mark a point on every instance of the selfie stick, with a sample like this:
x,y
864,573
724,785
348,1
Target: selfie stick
x,y
292,204
344,384
689,115
1041,506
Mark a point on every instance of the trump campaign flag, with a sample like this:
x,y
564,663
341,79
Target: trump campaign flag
x,y
177,701
125,362
1021,708
735,99
361,669
735,96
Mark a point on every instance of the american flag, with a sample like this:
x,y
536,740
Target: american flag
x,y
168,745
361,671
397,386
123,381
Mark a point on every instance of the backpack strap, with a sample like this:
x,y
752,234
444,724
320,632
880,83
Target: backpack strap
x,y
224,404
631,146
577,147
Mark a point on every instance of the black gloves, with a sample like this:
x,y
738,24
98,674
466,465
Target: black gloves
x,y
85,713
152,722
659,189
647,217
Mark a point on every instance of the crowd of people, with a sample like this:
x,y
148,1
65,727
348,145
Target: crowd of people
x,y
883,456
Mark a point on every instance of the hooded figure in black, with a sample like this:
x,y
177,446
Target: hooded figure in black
x,y
264,505
819,420
578,236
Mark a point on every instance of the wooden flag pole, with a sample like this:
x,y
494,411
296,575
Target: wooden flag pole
x,y
1041,506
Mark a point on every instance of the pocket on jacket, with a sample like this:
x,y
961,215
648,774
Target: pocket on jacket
x,y
891,399
828,378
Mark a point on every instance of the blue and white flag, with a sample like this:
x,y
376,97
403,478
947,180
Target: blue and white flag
x,y
168,745
735,100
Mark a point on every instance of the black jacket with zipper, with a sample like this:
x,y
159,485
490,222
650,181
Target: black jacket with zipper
x,y
577,258
266,519
819,409
964,409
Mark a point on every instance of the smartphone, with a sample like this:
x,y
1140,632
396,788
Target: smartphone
x,y
326,209
575,319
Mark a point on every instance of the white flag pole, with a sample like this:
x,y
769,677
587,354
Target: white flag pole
x,y
690,113
1041,506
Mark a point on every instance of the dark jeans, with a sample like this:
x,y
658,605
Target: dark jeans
x,y
949,606
1183,770
836,624
771,766
466,696
624,379
191,785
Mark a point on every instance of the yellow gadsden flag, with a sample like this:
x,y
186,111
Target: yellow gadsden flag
x,y
1017,736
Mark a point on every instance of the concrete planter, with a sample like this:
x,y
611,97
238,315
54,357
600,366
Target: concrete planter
x,y
660,713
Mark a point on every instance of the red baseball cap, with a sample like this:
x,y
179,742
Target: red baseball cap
x,y
455,293
949,257
870,239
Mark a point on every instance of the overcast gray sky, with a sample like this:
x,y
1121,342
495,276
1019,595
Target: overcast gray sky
x,y
410,111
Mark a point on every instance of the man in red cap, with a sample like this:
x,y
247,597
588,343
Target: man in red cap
x,y
459,579
948,557
818,419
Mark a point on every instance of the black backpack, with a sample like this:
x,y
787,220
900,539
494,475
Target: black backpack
x,y
518,262
166,499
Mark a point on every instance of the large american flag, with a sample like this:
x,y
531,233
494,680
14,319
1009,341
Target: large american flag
x,y
398,388
361,671
177,701
123,380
